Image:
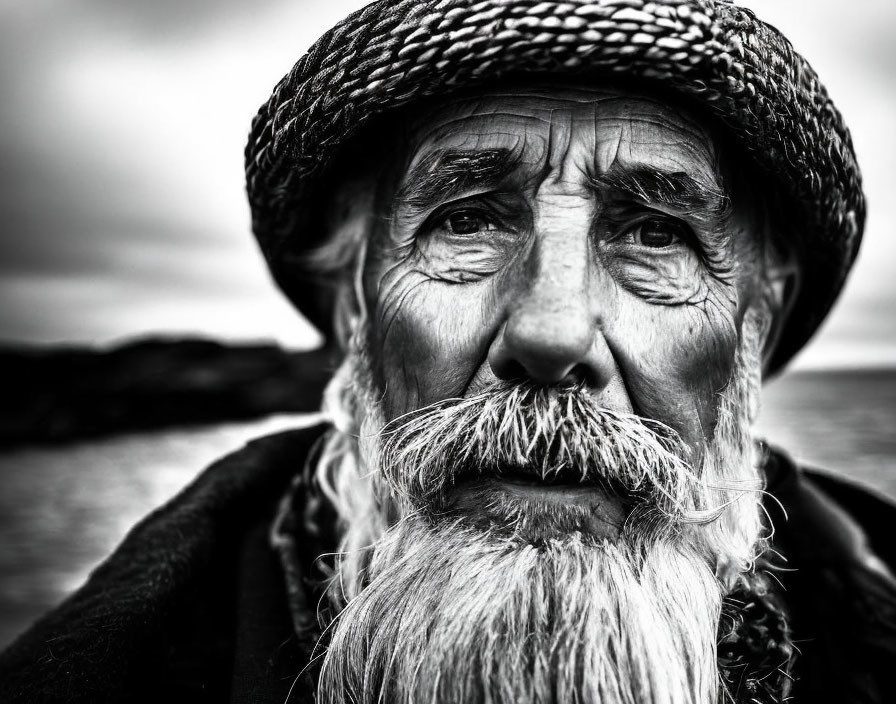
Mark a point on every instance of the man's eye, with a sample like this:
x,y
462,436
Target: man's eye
x,y
467,222
658,233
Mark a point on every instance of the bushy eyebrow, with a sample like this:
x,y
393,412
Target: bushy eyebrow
x,y
673,189
447,173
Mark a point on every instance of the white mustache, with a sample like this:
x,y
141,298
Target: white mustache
x,y
554,434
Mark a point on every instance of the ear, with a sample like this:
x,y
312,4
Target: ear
x,y
781,286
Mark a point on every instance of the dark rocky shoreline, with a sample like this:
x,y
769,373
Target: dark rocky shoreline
x,y
61,394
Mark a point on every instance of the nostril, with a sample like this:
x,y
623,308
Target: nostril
x,y
509,369
580,374
512,369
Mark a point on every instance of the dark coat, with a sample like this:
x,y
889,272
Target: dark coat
x,y
192,605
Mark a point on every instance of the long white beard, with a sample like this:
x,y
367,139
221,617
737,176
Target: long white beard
x,y
455,615
440,610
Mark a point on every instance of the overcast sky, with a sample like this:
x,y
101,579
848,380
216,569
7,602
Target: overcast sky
x,y
122,125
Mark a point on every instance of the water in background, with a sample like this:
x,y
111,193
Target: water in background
x,y
62,510
841,421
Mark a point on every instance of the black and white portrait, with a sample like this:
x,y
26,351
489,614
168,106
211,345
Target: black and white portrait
x,y
440,351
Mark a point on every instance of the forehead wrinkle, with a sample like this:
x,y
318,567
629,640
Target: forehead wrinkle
x,y
665,118
679,132
530,103
561,135
626,153
675,150
625,129
491,123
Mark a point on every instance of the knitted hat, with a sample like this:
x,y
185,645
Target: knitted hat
x,y
717,55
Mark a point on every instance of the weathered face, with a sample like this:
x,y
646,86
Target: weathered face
x,y
562,235
555,542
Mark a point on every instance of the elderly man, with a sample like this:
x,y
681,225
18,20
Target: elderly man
x,y
558,246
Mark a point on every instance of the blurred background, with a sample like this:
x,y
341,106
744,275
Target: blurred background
x,y
141,336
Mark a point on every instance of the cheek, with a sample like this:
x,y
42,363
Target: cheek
x,y
676,359
428,339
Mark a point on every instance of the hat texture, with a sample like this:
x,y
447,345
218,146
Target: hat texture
x,y
717,55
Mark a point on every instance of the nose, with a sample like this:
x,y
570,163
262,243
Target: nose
x,y
551,334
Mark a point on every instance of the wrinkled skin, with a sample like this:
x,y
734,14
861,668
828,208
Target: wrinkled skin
x,y
562,235
558,237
